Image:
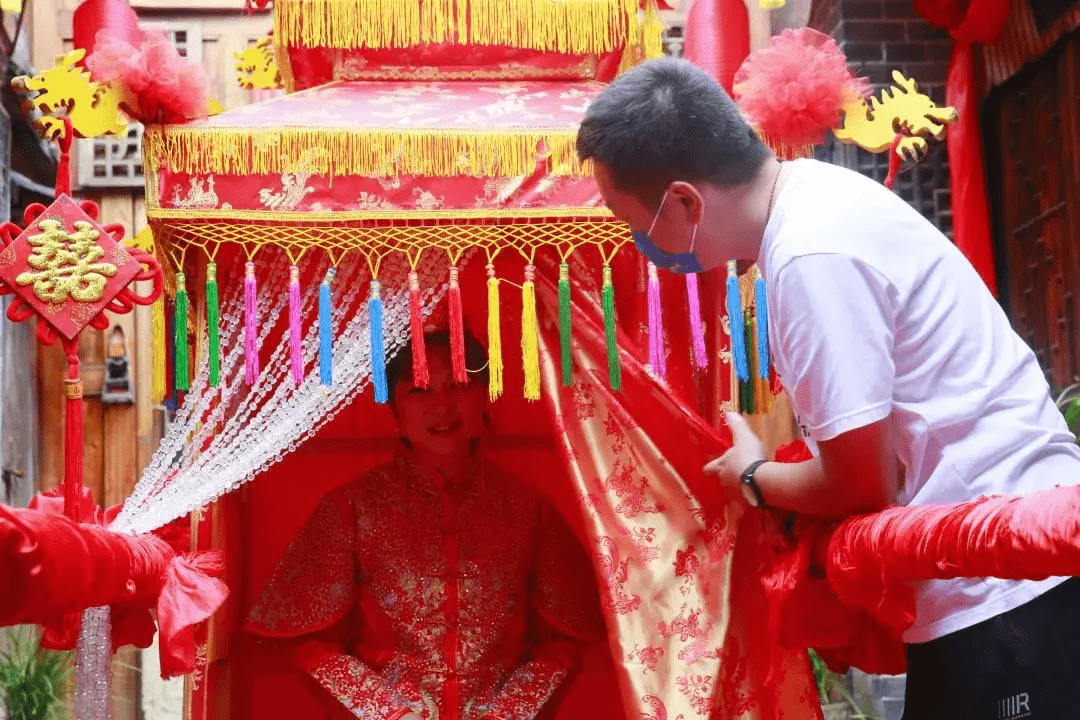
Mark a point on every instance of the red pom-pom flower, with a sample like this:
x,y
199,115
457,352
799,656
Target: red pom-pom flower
x,y
156,83
794,89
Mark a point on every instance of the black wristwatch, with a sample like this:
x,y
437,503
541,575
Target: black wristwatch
x,y
750,489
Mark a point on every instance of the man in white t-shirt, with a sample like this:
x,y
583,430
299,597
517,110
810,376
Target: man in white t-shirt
x,y
904,373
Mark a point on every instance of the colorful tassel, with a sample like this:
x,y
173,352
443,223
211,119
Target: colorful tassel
x,y
170,400
614,364
457,329
416,324
735,318
326,329
296,347
251,336
157,330
564,326
213,323
656,326
495,360
530,338
180,340
761,319
748,384
378,347
697,327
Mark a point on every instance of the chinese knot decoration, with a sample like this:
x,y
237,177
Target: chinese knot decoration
x,y
67,270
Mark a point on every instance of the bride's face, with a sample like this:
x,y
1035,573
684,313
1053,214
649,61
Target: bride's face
x,y
442,419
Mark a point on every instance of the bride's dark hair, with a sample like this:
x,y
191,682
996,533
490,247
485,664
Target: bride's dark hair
x,y
400,368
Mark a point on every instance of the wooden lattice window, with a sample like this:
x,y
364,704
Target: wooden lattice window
x,y
116,161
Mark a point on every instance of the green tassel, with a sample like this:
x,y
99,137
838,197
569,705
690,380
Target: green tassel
x,y
614,366
564,325
180,337
212,322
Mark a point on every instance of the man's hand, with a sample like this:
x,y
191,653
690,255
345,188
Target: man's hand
x,y
410,716
747,448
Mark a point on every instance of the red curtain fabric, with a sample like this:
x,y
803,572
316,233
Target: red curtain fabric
x,y
969,22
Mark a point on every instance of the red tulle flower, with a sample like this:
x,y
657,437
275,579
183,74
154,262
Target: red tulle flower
x,y
793,90
158,85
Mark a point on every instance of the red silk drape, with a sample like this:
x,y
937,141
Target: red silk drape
x,y
969,22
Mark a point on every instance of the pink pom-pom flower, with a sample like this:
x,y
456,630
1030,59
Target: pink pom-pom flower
x,y
793,90
157,84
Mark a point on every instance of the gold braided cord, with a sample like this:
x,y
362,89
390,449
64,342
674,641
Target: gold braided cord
x,y
371,217
382,152
376,243
580,27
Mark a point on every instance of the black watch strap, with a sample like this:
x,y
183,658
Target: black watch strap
x,y
747,478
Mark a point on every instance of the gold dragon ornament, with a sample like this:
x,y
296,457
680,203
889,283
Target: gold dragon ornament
x,y
256,67
67,90
902,109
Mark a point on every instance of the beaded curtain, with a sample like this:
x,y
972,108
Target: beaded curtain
x,y
225,435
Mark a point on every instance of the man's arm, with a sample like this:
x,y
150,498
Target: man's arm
x,y
856,472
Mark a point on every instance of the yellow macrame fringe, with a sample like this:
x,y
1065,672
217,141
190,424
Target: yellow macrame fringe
x,y
652,33
530,339
157,332
495,361
434,152
565,26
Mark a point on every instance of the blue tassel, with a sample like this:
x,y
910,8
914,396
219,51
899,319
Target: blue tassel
x,y
326,330
761,312
378,349
738,328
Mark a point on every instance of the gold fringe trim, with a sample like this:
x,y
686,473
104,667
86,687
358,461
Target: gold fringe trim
x,y
582,27
379,152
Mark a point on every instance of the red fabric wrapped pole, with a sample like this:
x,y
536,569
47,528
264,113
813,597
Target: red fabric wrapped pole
x,y
842,588
53,569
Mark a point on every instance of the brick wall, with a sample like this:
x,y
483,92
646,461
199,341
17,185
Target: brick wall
x,y
879,36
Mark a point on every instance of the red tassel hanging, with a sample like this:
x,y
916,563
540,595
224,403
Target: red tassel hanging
x,y
457,329
416,323
73,436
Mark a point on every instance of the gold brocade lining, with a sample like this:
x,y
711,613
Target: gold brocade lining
x,y
434,152
564,26
177,237
585,70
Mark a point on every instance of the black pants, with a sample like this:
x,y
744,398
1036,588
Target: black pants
x,y
1021,665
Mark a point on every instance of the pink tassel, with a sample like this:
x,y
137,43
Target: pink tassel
x,y
295,349
457,329
251,338
416,323
656,326
697,328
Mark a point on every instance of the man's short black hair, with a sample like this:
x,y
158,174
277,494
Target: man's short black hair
x,y
667,120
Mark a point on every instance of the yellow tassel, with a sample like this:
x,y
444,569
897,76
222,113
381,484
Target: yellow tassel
x,y
530,339
580,27
495,360
652,33
157,332
434,152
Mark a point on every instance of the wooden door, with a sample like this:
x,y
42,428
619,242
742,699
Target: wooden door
x,y
1033,144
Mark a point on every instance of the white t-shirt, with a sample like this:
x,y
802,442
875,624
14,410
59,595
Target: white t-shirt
x,y
874,314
